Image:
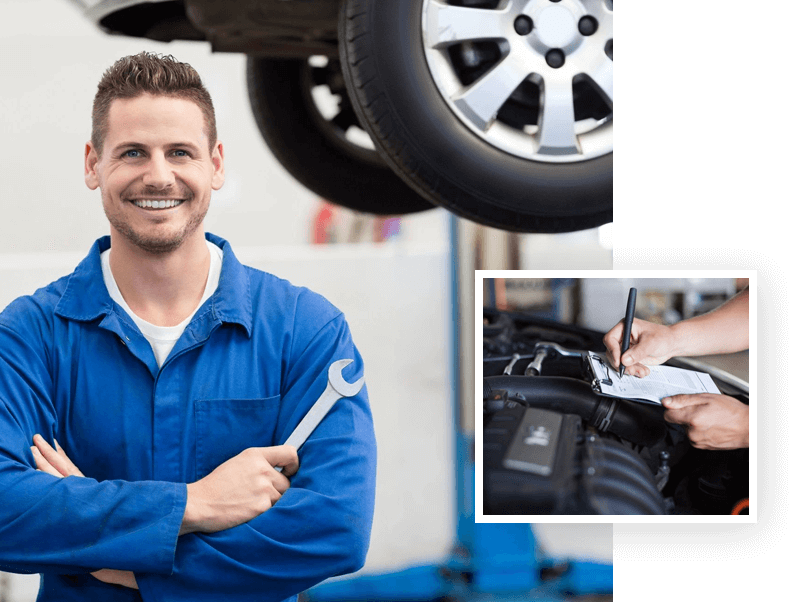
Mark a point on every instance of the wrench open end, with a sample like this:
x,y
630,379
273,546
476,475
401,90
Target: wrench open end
x,y
336,388
339,384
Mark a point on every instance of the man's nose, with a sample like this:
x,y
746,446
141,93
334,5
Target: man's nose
x,y
159,172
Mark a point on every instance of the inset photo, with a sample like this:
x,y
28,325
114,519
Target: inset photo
x,y
622,399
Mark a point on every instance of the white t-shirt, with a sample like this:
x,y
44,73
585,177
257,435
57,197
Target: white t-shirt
x,y
163,338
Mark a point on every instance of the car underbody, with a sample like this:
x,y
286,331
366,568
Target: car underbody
x,y
289,28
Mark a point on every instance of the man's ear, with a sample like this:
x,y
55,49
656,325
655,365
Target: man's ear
x,y
91,159
218,160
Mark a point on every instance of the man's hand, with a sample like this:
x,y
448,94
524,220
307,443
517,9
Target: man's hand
x,y
713,421
650,345
58,464
240,489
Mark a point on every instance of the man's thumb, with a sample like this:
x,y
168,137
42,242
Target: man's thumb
x,y
283,456
629,358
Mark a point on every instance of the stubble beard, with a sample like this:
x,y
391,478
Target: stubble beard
x,y
153,244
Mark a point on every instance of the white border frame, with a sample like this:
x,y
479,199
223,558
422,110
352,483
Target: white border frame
x,y
615,274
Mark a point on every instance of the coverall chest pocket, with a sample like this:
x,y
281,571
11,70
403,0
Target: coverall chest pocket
x,y
226,427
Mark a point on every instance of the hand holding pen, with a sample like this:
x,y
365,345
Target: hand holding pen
x,y
633,345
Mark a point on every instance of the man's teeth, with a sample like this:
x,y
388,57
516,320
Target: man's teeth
x,y
158,204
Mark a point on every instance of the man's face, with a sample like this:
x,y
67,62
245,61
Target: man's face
x,y
156,171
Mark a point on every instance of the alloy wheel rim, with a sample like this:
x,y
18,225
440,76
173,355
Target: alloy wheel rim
x,y
533,78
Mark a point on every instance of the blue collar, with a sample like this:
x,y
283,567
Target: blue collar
x,y
85,297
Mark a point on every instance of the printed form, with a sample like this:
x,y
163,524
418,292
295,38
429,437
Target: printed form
x,y
662,381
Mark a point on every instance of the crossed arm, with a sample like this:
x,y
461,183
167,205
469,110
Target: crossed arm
x,y
58,464
237,491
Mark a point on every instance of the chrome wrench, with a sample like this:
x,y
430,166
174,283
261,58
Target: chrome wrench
x,y
336,388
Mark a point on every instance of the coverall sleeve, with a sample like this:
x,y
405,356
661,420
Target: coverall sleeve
x,y
321,525
69,525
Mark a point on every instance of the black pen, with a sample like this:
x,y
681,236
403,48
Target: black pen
x,y
629,314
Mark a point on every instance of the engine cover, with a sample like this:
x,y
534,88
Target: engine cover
x,y
538,461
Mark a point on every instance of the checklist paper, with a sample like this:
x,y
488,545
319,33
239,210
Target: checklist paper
x,y
663,381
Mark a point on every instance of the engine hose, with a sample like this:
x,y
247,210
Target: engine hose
x,y
639,423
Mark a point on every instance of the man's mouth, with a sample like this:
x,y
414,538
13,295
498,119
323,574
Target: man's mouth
x,y
157,203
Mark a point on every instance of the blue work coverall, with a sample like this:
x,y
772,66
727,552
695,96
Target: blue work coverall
x,y
248,367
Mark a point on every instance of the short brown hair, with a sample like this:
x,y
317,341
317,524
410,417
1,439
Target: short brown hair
x,y
155,74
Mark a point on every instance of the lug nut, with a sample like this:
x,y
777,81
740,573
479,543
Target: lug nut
x,y
587,25
523,25
555,58
609,49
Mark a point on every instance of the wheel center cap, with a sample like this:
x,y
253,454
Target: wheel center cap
x,y
556,27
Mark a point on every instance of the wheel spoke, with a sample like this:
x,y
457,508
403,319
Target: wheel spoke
x,y
556,127
452,24
482,101
603,77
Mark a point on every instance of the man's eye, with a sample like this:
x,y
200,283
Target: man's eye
x,y
132,154
180,153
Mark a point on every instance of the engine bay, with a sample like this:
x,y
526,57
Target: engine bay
x,y
551,445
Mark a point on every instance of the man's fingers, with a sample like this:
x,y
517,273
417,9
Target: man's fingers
x,y
635,355
124,578
639,370
73,470
627,359
42,464
681,409
677,402
632,358
55,460
284,456
613,344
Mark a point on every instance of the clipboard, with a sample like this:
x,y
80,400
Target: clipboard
x,y
662,381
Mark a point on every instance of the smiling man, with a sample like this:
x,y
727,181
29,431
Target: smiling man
x,y
144,398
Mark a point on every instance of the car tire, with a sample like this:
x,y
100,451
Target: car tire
x,y
315,150
398,102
